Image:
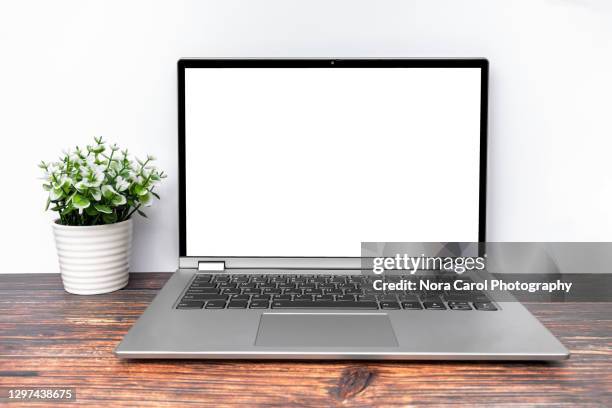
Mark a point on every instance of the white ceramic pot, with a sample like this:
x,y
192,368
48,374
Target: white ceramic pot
x,y
94,259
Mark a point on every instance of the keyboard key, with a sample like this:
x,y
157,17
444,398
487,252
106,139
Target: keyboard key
x,y
281,297
484,306
459,306
199,296
191,291
207,290
303,297
305,304
241,297
366,298
370,290
259,304
345,298
324,297
389,305
272,291
408,298
190,305
260,297
232,291
429,298
237,304
209,296
465,296
434,305
387,298
251,291
412,305
215,304
196,285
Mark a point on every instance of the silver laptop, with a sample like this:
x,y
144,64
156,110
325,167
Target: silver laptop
x,y
286,167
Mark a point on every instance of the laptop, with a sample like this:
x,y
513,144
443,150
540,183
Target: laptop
x,y
285,168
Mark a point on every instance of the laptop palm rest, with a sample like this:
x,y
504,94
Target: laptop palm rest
x,y
325,330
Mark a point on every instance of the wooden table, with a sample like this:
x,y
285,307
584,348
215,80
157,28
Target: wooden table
x,y
51,338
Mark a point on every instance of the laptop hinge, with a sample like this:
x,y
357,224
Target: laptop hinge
x,y
211,266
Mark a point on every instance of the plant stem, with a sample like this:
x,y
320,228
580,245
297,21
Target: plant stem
x,y
133,211
110,159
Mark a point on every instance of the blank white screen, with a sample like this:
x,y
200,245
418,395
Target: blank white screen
x,y
313,161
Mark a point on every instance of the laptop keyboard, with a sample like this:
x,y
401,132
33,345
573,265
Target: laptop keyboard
x,y
223,291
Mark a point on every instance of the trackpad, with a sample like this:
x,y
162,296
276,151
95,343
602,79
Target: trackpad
x,y
325,330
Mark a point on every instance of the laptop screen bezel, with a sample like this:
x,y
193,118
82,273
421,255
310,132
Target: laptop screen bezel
x,y
317,262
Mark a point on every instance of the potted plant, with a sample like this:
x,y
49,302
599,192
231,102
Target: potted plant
x,y
95,191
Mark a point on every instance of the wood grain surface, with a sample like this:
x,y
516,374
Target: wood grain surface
x,y
49,338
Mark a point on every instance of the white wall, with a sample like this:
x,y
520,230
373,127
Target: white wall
x,y
73,69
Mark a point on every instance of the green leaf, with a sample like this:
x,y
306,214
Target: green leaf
x,y
80,186
55,194
66,182
69,200
140,190
78,201
108,191
96,194
109,218
91,211
48,203
142,213
103,208
146,200
118,200
96,149
69,208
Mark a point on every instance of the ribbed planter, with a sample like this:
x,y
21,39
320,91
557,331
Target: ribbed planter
x,y
94,259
